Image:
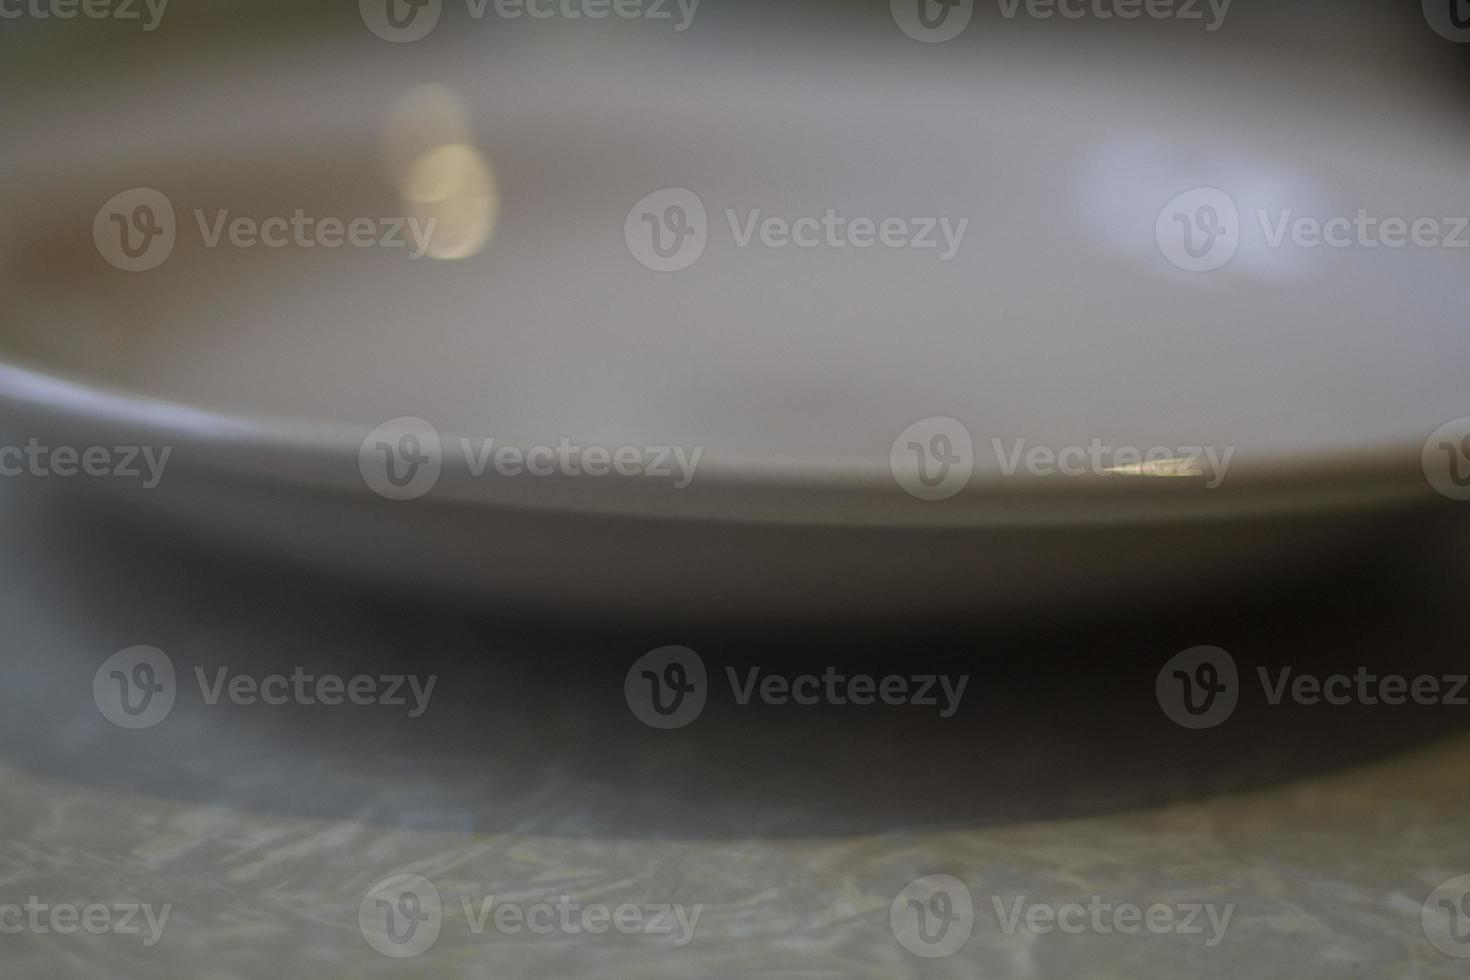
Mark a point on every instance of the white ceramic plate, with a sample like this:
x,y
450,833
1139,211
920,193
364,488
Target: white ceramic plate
x,y
802,376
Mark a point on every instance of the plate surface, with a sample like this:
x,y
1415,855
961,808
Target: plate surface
x,y
1027,248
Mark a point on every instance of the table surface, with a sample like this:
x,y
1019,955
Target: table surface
x,y
793,828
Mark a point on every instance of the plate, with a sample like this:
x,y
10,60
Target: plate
x,y
687,327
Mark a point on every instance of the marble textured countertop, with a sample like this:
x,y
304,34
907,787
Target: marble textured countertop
x,y
792,829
